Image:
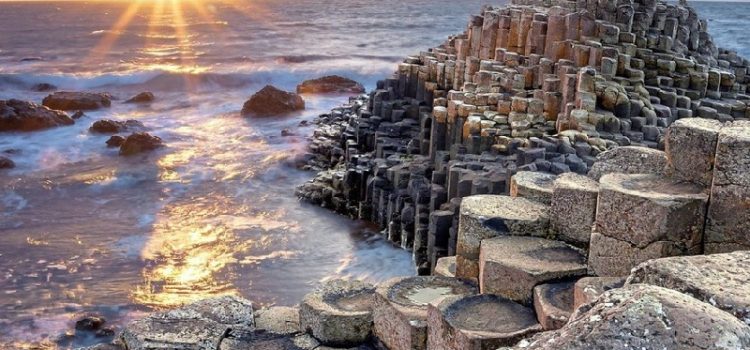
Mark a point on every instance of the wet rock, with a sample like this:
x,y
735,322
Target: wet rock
x,y
527,262
339,313
645,317
17,115
90,323
271,101
143,97
6,163
43,87
533,185
587,289
400,312
115,141
139,142
68,100
629,160
663,218
330,84
287,133
78,115
553,303
109,126
478,322
718,279
487,216
201,325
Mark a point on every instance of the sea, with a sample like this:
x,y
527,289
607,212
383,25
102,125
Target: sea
x,y
84,231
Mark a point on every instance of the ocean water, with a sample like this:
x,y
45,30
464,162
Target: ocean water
x,y
83,231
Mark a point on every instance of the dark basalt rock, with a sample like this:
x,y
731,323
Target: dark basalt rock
x,y
6,163
115,141
78,115
143,97
108,126
67,100
139,142
271,101
330,84
17,115
90,323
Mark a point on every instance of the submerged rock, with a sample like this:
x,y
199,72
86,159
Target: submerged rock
x,y
115,141
68,100
43,87
271,101
17,115
78,115
109,126
143,97
330,84
6,163
139,142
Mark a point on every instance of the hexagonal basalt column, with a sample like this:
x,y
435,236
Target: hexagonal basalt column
x,y
573,208
553,303
690,148
478,322
587,289
641,217
446,267
532,185
400,311
512,266
487,216
339,313
629,160
728,224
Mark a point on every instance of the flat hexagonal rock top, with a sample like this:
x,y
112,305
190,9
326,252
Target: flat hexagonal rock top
x,y
446,267
719,279
553,303
652,186
645,317
198,326
533,185
490,314
532,254
418,292
511,208
629,160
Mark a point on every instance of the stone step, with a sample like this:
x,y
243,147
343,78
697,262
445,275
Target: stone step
x,y
553,303
573,208
487,216
641,217
478,322
533,185
400,312
629,160
512,266
718,279
587,289
339,313
446,267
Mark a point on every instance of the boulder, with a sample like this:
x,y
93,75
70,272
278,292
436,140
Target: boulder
x,y
330,84
115,141
271,101
143,97
587,289
629,160
109,126
718,279
17,115
339,313
68,100
139,142
6,163
645,317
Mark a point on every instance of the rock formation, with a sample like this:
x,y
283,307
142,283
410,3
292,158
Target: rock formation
x,y
67,100
109,126
139,142
143,97
16,115
6,163
271,101
330,84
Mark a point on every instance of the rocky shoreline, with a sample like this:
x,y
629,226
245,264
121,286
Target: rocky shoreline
x,y
567,174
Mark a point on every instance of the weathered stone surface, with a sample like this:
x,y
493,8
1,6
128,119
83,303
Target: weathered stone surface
x,y
648,215
278,319
330,84
139,142
400,311
629,160
690,149
478,322
645,317
446,267
553,303
728,221
532,185
17,115
339,313
198,326
143,97
109,126
573,208
69,101
271,101
587,289
718,279
527,262
487,216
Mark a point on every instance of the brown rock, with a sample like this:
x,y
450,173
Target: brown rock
x,y
629,160
67,100
139,142
271,101
143,97
553,303
115,141
108,126
16,115
6,163
330,84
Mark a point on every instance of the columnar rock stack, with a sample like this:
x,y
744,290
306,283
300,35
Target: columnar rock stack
x,y
540,86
